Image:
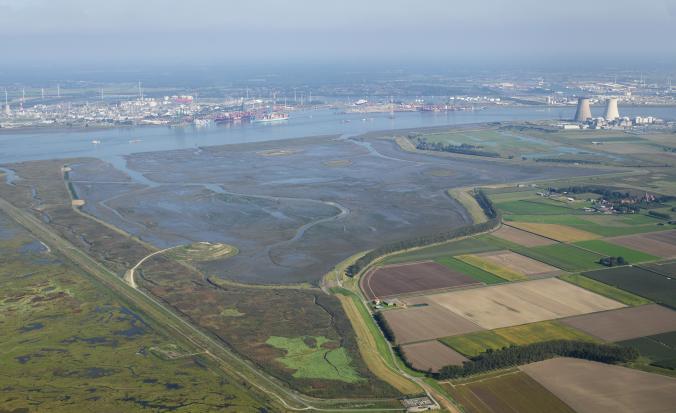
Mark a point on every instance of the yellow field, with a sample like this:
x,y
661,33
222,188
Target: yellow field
x,y
491,267
558,232
542,331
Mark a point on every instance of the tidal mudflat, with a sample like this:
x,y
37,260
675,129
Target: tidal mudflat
x,y
293,208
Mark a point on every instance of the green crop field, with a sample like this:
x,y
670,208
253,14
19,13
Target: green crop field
x,y
614,250
68,344
566,257
660,349
474,272
533,207
605,290
657,288
473,344
315,358
465,246
542,331
508,393
604,225
497,196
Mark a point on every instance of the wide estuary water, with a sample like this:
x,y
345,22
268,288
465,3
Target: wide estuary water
x,y
49,144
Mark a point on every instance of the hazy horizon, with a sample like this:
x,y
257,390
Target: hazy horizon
x,y
126,33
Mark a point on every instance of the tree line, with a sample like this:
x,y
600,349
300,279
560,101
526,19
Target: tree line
x,y
463,148
520,355
384,326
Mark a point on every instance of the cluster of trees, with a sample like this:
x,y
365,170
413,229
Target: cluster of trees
x,y
519,355
369,257
463,148
613,261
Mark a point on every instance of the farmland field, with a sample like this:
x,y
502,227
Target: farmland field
x,y
534,207
473,344
660,349
514,392
465,246
641,282
659,244
413,277
518,263
519,303
611,250
664,268
605,290
426,323
558,232
590,387
491,267
626,323
431,355
474,272
564,256
601,225
521,237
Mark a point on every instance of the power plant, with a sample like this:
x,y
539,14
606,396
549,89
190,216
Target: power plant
x,y
612,113
583,112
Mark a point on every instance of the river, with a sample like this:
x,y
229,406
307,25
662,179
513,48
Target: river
x,y
115,142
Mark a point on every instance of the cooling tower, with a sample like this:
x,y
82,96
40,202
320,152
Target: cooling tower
x,y
583,110
612,112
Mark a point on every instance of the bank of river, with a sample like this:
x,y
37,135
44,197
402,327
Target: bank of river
x,y
58,143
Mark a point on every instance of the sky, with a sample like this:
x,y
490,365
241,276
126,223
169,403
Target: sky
x,y
63,32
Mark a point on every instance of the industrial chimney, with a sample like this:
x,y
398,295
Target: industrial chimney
x,y
612,112
583,112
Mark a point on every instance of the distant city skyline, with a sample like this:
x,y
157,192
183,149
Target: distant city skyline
x,y
208,31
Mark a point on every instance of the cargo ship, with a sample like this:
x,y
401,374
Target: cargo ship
x,y
271,117
234,117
